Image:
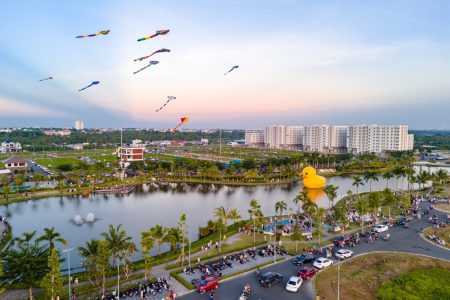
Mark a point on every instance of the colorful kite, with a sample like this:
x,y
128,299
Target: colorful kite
x,y
159,32
48,78
93,83
234,67
157,51
152,62
169,98
103,32
183,120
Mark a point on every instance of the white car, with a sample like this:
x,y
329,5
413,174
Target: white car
x,y
294,284
343,253
322,262
380,228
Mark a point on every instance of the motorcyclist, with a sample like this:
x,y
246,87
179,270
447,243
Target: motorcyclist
x,y
247,289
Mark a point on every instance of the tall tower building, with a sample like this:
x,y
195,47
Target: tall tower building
x,y
79,125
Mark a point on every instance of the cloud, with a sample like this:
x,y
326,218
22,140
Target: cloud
x,y
14,108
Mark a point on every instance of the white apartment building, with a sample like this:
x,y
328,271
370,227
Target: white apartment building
x,y
284,137
378,138
254,138
325,138
79,125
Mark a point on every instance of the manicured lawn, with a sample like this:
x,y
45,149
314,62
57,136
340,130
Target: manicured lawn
x,y
442,233
53,163
368,272
443,206
417,285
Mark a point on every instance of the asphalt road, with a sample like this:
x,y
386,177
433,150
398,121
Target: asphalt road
x,y
402,240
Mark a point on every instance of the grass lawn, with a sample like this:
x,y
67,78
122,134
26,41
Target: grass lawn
x,y
368,272
53,163
416,285
442,233
443,206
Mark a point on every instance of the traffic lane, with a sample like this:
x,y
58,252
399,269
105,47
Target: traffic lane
x,y
232,288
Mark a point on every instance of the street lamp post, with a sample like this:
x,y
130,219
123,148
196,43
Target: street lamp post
x,y
339,271
68,262
118,279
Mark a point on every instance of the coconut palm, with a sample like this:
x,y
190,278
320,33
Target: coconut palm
x,y
280,206
173,237
158,233
51,237
387,175
234,215
331,190
117,240
441,176
298,200
254,212
399,172
357,181
90,249
318,217
222,212
369,177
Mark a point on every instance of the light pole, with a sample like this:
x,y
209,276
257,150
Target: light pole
x,y
118,279
68,262
339,271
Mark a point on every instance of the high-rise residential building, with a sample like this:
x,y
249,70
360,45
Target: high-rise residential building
x,y
378,138
79,125
317,138
254,138
283,137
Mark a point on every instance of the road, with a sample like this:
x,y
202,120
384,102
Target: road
x,y
402,240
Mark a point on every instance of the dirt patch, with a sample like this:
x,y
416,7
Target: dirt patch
x,y
361,276
442,233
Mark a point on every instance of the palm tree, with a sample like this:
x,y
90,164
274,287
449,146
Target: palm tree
x,y
357,181
158,233
299,200
222,212
234,215
422,178
374,201
117,240
254,212
398,172
387,175
309,207
369,176
331,190
280,206
90,249
173,237
51,237
147,243
318,217
441,176
361,208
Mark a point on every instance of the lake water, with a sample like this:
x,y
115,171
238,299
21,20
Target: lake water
x,y
149,206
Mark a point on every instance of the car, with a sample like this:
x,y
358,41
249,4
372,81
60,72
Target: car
x,y
303,259
342,241
380,228
401,221
306,272
293,284
322,262
207,284
270,278
343,253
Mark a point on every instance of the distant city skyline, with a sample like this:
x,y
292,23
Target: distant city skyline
x,y
300,62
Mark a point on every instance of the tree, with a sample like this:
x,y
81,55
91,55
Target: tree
x,y
117,239
374,201
2,289
52,282
158,233
318,217
387,175
147,243
441,176
51,237
357,181
422,178
399,172
361,208
26,262
280,206
173,237
331,190
103,256
234,215
61,186
389,199
369,177
89,261
254,212
222,212
296,235
298,200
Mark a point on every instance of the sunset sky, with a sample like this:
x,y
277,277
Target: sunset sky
x,y
300,62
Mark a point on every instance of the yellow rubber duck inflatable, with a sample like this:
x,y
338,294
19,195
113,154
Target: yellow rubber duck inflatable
x,y
311,180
